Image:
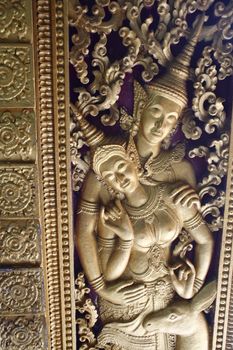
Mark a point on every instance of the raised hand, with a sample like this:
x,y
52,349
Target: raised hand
x,y
183,276
115,218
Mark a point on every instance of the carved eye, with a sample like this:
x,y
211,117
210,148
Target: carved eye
x,y
173,317
157,112
109,177
172,118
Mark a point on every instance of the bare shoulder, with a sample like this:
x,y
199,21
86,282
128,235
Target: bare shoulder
x,y
93,190
91,187
184,172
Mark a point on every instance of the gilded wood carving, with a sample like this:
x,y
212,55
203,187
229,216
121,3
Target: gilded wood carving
x,y
146,226
144,133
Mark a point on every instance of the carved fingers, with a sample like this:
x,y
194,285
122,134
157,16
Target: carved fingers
x,y
124,292
185,196
183,275
115,218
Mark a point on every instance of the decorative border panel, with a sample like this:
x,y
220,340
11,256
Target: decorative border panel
x,y
51,39
22,304
27,204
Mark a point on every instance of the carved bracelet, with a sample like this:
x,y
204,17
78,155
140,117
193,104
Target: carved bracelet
x,y
194,223
125,245
97,283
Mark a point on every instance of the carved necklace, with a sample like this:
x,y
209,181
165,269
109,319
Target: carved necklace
x,y
164,160
154,202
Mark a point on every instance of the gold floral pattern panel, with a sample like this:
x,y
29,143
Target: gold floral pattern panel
x,y
15,20
17,135
22,333
19,242
16,85
17,191
22,304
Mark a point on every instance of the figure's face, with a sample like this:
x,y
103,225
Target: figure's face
x,y
159,118
120,173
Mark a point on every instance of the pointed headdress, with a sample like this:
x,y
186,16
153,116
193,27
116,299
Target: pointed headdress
x,y
172,84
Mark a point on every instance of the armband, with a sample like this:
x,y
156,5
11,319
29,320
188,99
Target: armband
x,y
88,207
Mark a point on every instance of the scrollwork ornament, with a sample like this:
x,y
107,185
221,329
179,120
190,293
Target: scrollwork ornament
x,y
216,155
86,25
16,135
17,193
189,127
87,314
22,333
13,19
21,291
222,42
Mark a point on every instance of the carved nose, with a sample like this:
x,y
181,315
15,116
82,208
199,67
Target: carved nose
x,y
120,177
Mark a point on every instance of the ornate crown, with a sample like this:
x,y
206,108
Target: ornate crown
x,y
172,85
104,153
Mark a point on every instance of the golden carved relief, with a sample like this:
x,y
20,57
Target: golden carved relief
x,y
16,85
145,228
19,242
22,309
15,20
22,333
17,191
21,291
17,136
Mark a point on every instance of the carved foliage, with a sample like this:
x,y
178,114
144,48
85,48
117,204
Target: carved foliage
x,y
13,19
88,312
19,243
21,333
17,192
16,84
216,154
20,291
16,135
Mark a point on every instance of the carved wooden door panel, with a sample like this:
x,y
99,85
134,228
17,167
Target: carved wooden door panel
x,y
116,174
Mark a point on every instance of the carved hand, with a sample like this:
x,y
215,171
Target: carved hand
x,y
183,276
117,220
185,196
123,293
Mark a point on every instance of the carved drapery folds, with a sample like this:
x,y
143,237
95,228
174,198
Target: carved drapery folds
x,y
150,36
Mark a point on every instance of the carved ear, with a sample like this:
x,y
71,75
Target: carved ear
x,y
205,297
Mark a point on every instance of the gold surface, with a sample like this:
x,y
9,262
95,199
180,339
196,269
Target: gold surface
x,y
22,306
36,213
117,246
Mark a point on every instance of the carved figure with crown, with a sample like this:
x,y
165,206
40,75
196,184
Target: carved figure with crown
x,y
134,242
157,110
137,193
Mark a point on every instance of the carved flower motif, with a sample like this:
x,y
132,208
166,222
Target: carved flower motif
x,y
17,192
16,86
20,291
12,19
19,243
21,333
16,135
